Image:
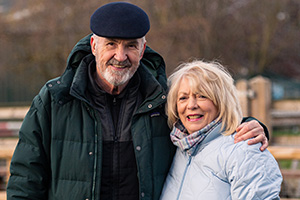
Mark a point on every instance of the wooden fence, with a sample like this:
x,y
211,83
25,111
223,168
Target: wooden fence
x,y
287,153
6,152
11,119
279,152
10,123
255,96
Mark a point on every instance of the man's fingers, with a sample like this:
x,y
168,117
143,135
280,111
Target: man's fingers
x,y
241,130
260,138
240,126
246,133
257,139
245,136
265,144
251,129
248,130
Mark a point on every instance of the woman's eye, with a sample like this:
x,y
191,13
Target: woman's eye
x,y
201,96
181,98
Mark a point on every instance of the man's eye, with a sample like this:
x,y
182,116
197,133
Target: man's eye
x,y
132,46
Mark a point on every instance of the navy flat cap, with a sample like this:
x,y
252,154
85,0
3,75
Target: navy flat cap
x,y
120,20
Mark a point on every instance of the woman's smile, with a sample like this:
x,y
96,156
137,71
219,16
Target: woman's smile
x,y
194,117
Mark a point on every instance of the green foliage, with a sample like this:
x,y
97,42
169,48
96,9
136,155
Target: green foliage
x,y
286,132
285,164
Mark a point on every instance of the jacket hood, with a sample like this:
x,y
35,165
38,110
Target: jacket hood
x,y
151,59
60,87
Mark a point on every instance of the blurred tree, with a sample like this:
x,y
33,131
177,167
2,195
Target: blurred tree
x,y
248,36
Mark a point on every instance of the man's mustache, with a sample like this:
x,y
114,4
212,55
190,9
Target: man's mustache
x,y
113,61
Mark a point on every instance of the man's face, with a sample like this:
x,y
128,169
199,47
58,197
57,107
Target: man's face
x,y
117,59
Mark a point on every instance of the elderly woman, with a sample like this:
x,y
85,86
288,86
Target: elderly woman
x,y
204,110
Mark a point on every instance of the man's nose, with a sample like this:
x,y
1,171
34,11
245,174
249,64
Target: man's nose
x,y
120,54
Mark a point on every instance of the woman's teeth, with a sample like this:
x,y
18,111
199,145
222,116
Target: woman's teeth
x,y
194,116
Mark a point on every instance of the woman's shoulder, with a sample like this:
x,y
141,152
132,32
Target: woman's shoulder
x,y
223,147
245,156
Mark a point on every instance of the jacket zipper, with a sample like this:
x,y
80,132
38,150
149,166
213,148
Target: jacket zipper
x,y
115,128
184,174
95,152
95,162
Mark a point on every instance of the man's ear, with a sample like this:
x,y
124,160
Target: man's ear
x,y
142,53
93,44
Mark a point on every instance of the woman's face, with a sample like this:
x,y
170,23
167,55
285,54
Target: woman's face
x,y
195,111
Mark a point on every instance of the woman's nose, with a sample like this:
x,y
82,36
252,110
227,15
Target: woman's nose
x,y
192,103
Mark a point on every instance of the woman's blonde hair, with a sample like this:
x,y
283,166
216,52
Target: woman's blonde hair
x,y
213,81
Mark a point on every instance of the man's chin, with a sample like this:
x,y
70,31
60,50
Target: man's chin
x,y
117,79
117,82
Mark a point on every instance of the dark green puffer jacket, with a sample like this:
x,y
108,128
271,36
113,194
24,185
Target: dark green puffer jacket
x,y
60,147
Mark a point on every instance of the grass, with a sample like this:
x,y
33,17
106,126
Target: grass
x,y
286,132
285,164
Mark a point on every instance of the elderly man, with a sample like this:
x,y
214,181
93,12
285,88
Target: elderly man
x,y
100,131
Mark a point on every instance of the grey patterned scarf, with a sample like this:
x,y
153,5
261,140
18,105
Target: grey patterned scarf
x,y
189,142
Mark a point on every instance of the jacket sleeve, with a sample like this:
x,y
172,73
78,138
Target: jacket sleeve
x,y
29,166
252,174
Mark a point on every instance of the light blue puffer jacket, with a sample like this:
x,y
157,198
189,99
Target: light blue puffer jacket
x,y
223,170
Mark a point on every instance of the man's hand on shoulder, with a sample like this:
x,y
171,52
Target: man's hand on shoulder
x,y
251,129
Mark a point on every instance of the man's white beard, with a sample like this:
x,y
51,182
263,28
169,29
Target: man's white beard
x,y
117,78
